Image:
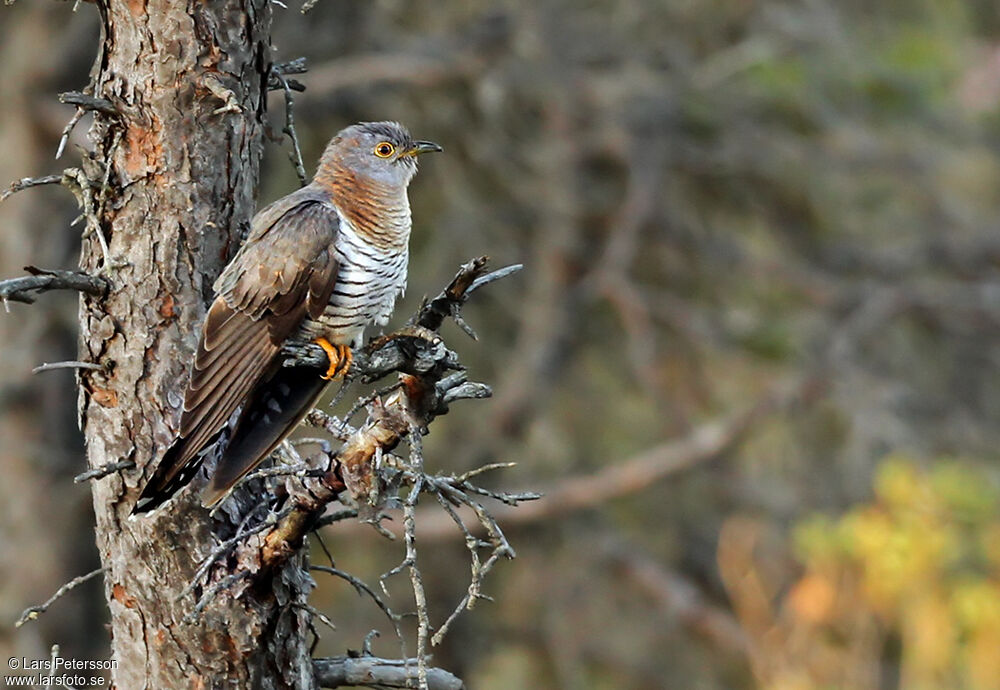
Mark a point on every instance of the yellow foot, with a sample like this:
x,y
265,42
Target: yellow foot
x,y
340,358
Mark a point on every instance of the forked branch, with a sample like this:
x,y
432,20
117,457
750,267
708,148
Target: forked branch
x,y
41,280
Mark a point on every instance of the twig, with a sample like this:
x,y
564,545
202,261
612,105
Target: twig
x,y
345,514
32,612
493,276
87,102
316,613
374,672
289,129
450,490
410,539
28,182
414,351
224,547
211,592
53,666
282,69
40,280
297,470
50,366
340,430
104,470
93,224
361,588
68,129
81,186
623,478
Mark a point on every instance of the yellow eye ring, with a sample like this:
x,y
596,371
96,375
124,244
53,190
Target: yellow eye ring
x,y
385,149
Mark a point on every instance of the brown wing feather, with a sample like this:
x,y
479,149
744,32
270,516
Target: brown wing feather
x,y
286,270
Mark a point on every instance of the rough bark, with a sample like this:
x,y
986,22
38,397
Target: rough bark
x,y
181,157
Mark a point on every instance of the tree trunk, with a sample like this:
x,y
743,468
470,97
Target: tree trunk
x,y
181,158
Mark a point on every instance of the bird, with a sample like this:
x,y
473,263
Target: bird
x,y
319,265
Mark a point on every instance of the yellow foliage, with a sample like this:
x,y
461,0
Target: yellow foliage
x,y
911,578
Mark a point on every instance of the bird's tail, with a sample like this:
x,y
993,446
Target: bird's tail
x,y
275,408
168,479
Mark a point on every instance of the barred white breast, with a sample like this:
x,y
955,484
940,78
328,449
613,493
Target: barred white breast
x,y
369,280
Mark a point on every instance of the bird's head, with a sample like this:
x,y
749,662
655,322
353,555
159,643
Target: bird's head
x,y
380,151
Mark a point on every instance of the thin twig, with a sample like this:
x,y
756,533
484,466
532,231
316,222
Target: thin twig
x,y
362,588
337,428
345,514
493,276
295,155
50,366
102,197
297,470
316,613
32,612
67,130
206,598
28,182
282,69
81,186
104,470
224,547
410,539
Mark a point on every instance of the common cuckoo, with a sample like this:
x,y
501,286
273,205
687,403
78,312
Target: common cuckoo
x,y
320,264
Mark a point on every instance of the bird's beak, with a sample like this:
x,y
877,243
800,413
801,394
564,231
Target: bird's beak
x,y
419,147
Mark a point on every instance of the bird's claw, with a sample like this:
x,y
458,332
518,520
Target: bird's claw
x,y
340,358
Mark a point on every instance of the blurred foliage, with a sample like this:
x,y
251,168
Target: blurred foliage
x,y
903,591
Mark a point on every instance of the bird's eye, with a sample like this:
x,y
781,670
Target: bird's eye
x,y
384,150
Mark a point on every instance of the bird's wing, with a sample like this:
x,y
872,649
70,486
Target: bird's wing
x,y
286,269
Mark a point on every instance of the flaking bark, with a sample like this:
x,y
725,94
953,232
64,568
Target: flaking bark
x,y
175,171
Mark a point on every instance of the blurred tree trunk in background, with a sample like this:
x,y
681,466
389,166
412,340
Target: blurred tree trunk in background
x,y
181,159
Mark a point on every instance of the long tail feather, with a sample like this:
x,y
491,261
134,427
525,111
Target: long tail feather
x,y
165,482
274,410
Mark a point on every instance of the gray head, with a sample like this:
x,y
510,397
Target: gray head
x,y
380,151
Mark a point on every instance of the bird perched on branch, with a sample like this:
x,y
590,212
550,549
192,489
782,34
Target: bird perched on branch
x,y
320,264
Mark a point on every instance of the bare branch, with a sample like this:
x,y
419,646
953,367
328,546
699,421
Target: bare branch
x,y
282,69
361,588
31,613
410,539
104,470
68,129
41,280
222,585
678,597
634,474
416,345
226,546
52,366
87,102
374,672
296,153
28,182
